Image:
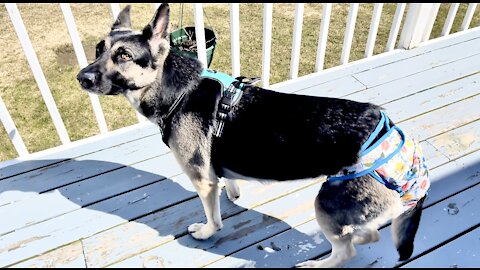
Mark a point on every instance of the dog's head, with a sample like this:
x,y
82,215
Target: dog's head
x,y
128,60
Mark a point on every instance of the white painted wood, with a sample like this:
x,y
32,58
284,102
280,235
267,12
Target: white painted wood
x,y
409,66
297,40
432,155
323,36
77,148
30,184
434,97
70,256
430,21
378,60
372,35
416,22
82,61
347,42
174,220
466,140
433,123
334,88
95,189
37,71
12,130
156,5
115,7
450,18
267,43
251,226
235,38
468,16
416,81
200,33
460,253
397,20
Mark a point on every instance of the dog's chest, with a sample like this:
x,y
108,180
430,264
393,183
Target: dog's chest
x,y
137,99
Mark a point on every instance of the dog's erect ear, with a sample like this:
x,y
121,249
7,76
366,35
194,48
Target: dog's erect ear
x,y
123,19
158,29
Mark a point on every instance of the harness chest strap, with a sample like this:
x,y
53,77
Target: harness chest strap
x,y
231,92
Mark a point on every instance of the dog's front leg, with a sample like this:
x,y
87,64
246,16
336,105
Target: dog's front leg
x,y
208,191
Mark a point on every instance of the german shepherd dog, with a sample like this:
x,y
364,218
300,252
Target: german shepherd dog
x,y
268,136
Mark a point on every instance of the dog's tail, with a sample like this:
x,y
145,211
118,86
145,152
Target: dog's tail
x,y
404,229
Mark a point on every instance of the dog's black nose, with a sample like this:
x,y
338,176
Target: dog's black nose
x,y
87,79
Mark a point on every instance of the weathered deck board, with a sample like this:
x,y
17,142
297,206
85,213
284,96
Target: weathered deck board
x,y
378,61
460,140
433,98
109,247
463,252
70,256
60,174
247,227
117,138
77,195
416,65
406,86
135,211
444,119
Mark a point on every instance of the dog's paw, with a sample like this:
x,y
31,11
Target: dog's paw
x,y
233,195
308,264
201,231
233,191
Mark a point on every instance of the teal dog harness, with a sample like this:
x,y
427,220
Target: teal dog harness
x,y
231,91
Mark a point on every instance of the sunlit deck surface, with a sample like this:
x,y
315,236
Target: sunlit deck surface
x,y
123,201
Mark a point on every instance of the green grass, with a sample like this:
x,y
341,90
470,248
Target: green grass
x,y
51,41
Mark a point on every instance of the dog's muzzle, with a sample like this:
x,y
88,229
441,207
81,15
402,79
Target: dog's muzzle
x,y
88,79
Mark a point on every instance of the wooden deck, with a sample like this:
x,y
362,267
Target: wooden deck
x,y
122,200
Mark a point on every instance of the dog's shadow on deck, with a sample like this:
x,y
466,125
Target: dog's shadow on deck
x,y
166,205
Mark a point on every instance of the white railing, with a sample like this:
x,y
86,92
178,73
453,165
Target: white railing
x,y
416,29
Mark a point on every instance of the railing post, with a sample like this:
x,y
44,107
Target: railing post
x,y
235,38
12,130
32,59
297,39
267,43
418,24
82,61
200,33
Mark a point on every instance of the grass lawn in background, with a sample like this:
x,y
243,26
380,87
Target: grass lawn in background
x,y
49,35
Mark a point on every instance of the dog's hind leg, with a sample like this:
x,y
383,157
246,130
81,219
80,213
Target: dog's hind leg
x,y
365,235
342,250
233,191
208,191
340,237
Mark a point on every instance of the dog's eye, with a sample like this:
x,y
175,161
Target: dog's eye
x,y
100,48
125,56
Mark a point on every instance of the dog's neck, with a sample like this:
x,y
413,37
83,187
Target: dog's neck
x,y
177,75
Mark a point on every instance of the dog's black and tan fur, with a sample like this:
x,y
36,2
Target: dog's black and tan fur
x,y
270,136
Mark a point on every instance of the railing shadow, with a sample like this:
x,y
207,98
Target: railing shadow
x,y
48,201
160,209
